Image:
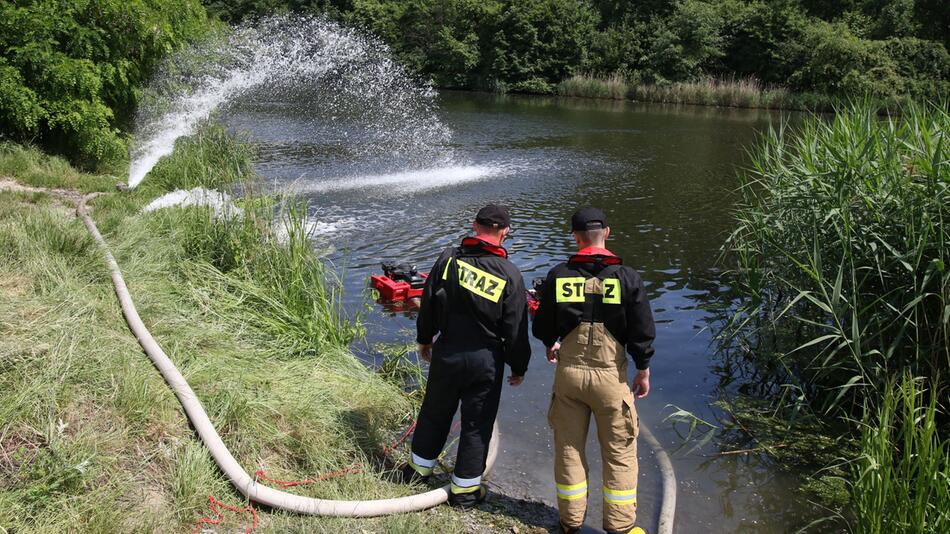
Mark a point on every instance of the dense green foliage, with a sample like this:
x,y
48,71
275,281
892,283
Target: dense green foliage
x,y
842,249
884,48
70,69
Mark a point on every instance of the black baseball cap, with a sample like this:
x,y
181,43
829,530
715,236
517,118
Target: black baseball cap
x,y
588,219
494,216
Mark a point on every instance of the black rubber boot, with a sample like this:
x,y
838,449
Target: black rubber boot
x,y
408,475
561,529
468,500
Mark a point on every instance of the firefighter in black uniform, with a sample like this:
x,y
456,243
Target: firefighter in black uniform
x,y
474,300
594,311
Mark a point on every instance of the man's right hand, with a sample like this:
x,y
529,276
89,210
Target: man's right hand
x,y
425,352
552,352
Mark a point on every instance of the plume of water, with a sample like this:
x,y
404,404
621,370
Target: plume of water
x,y
338,70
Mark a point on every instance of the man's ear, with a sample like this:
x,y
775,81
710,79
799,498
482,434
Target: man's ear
x,y
606,233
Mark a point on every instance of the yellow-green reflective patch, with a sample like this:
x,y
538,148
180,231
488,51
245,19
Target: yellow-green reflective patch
x,y
479,282
445,272
612,291
619,493
570,289
580,495
570,487
620,500
612,496
459,489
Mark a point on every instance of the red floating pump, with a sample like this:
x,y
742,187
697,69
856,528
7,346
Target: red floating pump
x,y
403,283
399,282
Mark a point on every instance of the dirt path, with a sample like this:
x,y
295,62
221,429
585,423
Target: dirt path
x,y
66,200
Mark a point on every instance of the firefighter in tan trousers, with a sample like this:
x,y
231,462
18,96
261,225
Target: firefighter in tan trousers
x,y
593,311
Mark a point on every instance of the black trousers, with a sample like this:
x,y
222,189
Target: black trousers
x,y
472,378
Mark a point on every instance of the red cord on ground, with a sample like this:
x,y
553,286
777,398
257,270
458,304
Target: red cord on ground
x,y
284,484
220,515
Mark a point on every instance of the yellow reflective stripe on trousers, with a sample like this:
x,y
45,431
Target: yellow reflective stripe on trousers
x,y
569,492
459,489
423,466
465,485
613,496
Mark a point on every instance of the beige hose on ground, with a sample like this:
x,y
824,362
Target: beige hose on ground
x,y
222,456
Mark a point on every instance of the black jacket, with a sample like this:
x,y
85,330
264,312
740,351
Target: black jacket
x,y
476,298
623,308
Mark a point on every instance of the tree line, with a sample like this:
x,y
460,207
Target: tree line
x,y
883,48
71,70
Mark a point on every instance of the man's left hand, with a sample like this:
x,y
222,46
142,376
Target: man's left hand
x,y
641,384
515,380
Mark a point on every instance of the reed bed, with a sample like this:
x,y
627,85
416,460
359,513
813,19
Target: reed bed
x,y
841,252
842,249
724,92
588,86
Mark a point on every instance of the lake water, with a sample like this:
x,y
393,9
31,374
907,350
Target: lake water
x,y
665,175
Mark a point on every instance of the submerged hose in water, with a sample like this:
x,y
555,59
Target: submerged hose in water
x,y
668,501
244,483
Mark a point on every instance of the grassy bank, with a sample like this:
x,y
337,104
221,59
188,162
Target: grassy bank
x,y
841,256
737,93
91,437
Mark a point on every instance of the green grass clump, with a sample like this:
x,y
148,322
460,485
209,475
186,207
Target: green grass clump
x,y
902,477
841,254
34,168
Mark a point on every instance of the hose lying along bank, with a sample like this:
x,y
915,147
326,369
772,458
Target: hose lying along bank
x,y
222,456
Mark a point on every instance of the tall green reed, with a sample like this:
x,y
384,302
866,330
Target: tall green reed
x,y
842,251
901,479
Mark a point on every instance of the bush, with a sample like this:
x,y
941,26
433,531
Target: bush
x,y
834,61
537,43
69,70
923,65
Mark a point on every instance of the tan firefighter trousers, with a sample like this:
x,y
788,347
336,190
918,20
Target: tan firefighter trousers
x,y
591,377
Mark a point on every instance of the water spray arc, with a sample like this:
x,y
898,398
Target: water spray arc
x,y
340,74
